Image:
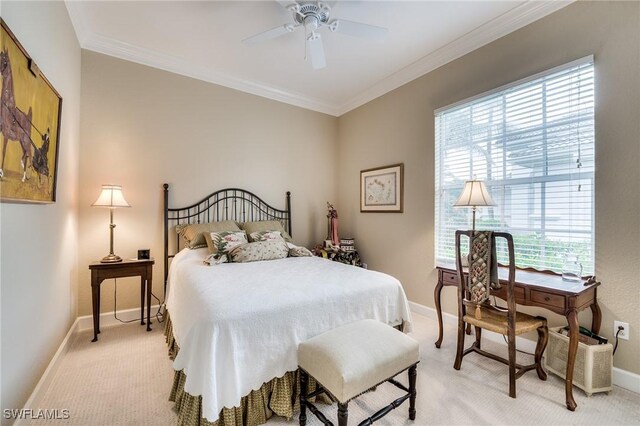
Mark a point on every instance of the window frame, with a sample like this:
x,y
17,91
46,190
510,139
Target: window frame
x,y
542,180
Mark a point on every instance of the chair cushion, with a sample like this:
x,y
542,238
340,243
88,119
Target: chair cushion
x,y
353,358
497,322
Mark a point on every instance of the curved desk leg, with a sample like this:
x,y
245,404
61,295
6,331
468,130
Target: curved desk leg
x,y
436,298
572,318
596,321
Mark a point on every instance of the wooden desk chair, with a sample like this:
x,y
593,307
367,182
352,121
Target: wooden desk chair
x,y
507,322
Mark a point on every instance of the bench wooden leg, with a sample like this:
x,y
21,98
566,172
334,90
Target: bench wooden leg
x,y
343,414
304,387
412,391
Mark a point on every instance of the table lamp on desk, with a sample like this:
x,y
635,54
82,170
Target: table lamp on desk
x,y
474,194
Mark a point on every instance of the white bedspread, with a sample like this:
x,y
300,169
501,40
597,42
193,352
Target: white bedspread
x,y
239,325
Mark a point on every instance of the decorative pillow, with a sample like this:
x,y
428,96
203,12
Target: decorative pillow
x,y
193,233
266,225
260,250
265,236
300,252
222,243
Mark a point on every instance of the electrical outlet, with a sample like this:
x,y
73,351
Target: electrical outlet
x,y
624,334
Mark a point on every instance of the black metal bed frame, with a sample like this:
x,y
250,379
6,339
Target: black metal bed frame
x,y
235,204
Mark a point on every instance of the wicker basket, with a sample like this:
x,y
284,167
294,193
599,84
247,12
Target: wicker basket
x,y
594,363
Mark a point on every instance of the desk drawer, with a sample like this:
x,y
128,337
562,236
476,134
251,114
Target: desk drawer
x,y
449,278
550,299
502,293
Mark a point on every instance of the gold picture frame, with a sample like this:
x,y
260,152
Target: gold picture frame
x,y
382,189
30,115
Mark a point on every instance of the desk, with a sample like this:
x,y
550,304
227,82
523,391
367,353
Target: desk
x,y
142,268
542,290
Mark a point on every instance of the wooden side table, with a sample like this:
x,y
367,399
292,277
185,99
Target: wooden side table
x,y
142,268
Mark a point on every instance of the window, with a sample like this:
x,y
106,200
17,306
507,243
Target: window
x,y
533,143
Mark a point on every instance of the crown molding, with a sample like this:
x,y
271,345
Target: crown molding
x,y
109,46
77,20
140,55
506,23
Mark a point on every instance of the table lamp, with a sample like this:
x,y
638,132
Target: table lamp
x,y
474,195
112,197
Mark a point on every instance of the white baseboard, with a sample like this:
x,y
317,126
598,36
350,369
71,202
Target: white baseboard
x,y
106,318
50,372
623,378
626,379
80,324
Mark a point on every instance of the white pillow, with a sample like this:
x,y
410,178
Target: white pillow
x,y
298,251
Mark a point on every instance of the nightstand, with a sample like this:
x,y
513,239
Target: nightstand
x,y
142,268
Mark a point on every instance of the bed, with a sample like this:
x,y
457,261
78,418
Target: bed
x,y
233,329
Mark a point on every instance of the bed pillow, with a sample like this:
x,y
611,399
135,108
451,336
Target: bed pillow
x,y
297,251
193,234
220,243
265,236
266,225
260,250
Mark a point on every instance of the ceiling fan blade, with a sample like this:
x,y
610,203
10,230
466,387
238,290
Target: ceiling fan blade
x,y
269,34
357,29
329,3
287,3
316,51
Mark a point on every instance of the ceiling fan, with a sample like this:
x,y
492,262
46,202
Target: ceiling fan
x,y
314,16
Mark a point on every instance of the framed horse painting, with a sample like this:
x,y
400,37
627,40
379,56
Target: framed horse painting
x,y
29,126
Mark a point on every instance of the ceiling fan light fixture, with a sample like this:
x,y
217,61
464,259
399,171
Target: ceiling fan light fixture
x,y
314,16
310,23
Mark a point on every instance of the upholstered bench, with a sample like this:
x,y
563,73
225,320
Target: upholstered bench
x,y
350,360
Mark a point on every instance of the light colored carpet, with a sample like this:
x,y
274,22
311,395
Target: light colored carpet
x,y
125,379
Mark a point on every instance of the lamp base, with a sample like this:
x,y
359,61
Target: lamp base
x,y
111,258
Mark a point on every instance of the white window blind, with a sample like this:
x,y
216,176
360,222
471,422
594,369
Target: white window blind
x,y
533,144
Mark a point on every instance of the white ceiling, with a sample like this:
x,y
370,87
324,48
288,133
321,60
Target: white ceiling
x,y
203,40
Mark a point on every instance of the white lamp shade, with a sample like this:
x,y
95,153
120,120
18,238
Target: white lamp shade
x,y
111,196
475,194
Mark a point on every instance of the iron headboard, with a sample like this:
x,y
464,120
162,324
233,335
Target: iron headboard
x,y
226,204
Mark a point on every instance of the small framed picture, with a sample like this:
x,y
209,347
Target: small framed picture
x,y
381,189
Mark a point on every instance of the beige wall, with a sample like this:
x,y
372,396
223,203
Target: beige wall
x,y
39,242
399,127
142,127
